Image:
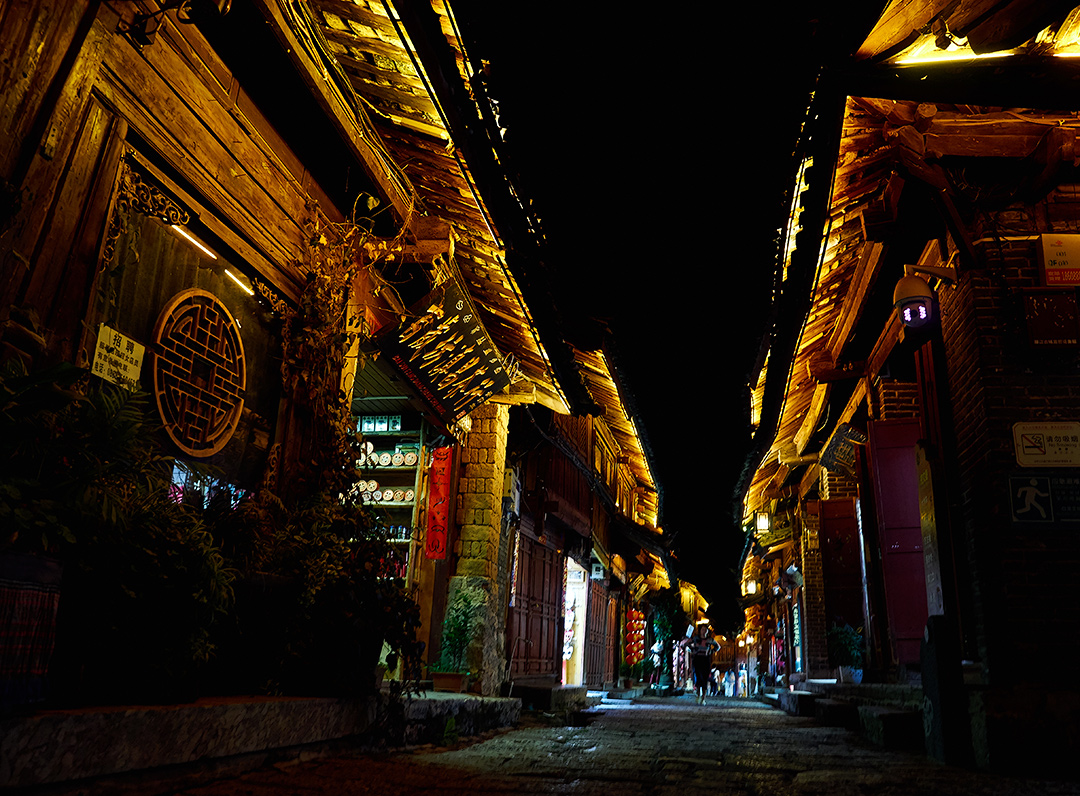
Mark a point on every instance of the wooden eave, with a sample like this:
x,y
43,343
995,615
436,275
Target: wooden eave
x,y
604,388
867,164
886,141
393,92
908,27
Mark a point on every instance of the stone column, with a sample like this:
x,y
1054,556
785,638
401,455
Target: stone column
x,y
479,516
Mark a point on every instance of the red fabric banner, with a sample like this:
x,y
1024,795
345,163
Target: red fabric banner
x,y
438,512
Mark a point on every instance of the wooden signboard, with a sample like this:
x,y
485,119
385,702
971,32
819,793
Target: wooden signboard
x,y
447,354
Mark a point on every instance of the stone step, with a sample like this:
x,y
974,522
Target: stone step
x,y
892,728
797,703
836,713
896,695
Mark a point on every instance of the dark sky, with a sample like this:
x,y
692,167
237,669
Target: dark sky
x,y
656,144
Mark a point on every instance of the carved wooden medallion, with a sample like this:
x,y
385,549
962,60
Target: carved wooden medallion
x,y
199,372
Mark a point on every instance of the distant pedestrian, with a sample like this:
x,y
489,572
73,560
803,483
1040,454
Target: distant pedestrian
x,y
729,683
740,681
714,681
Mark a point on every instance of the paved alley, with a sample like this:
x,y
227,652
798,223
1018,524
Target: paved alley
x,y
648,748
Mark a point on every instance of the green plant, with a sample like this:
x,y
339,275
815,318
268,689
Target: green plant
x,y
306,545
319,592
668,620
463,614
648,666
84,479
42,469
845,645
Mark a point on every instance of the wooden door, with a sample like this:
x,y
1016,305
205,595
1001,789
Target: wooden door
x,y
600,639
841,562
533,632
896,489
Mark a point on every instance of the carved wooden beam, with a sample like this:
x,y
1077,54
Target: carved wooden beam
x,y
862,284
520,392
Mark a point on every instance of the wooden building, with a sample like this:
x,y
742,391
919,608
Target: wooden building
x,y
909,479
588,546
168,164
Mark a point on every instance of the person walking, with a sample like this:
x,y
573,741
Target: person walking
x,y
729,683
702,646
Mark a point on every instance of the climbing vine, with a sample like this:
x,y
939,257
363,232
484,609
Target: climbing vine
x,y
318,336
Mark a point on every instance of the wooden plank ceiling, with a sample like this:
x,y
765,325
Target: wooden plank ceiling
x,y
381,65
883,144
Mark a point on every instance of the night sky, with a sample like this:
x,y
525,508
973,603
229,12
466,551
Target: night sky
x,y
656,147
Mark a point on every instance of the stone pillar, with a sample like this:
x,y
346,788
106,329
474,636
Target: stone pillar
x,y
479,516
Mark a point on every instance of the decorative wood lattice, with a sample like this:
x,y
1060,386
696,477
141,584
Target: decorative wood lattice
x,y
135,194
199,372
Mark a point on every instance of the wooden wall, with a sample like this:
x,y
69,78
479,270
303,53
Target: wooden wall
x,y
75,97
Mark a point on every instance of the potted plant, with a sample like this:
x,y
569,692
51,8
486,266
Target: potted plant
x,y
845,645
463,613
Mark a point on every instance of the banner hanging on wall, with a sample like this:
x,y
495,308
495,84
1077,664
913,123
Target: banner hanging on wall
x,y
438,512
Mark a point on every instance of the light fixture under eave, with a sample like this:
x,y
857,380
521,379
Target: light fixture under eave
x,y
946,56
143,28
198,244
240,284
762,522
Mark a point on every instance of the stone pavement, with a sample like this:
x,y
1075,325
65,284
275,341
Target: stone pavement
x,y
651,747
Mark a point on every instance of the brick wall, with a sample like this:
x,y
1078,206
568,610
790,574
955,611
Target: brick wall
x,y
897,399
813,593
835,484
1025,616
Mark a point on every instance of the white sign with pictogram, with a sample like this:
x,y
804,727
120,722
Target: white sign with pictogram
x,y
1049,444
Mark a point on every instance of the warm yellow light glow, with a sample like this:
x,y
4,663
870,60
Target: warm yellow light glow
x,y
193,241
242,286
794,224
946,56
751,587
763,521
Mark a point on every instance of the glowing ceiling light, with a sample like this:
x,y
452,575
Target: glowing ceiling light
x,y
193,241
236,279
948,56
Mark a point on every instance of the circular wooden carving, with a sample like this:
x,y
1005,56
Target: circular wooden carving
x,y
199,372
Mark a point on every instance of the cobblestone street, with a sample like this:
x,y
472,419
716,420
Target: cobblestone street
x,y
649,748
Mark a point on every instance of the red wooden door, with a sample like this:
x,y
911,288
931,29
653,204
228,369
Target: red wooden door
x,y
896,489
533,629
841,562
